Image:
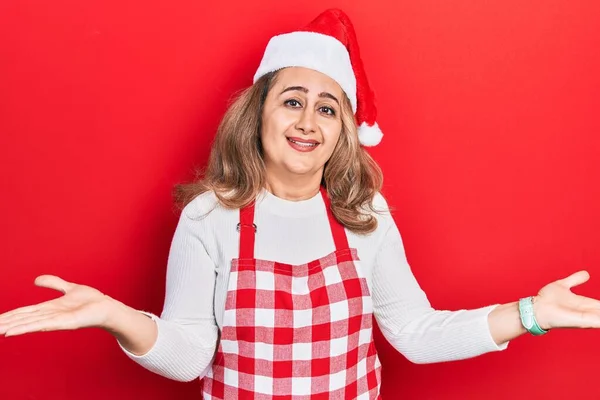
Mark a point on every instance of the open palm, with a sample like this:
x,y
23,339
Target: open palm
x,y
558,307
80,307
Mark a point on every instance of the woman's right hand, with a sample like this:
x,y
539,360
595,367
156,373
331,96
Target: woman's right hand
x,y
80,306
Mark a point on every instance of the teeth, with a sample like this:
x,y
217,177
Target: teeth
x,y
303,144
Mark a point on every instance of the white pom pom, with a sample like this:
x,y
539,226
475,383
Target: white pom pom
x,y
369,135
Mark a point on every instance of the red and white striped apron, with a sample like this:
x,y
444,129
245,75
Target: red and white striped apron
x,y
295,331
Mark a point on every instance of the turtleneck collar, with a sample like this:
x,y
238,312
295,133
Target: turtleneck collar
x,y
288,208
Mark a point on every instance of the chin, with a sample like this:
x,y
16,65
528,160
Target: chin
x,y
300,168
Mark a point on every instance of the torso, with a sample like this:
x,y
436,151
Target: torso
x,y
291,232
295,331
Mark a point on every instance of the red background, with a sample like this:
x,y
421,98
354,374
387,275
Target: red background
x,y
490,111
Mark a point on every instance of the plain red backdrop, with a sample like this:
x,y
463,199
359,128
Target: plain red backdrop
x,y
490,114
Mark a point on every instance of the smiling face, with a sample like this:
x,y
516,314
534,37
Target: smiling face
x,y
301,123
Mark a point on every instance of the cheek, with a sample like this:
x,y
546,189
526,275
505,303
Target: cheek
x,y
274,125
270,136
331,134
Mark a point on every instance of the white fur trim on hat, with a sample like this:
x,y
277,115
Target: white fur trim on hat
x,y
369,135
312,50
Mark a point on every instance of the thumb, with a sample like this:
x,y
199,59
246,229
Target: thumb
x,y
575,279
53,282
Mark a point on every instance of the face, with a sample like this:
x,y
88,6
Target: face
x,y
301,122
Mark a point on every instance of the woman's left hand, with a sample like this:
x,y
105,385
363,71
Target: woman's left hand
x,y
556,306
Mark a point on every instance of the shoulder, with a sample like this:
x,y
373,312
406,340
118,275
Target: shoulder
x,y
380,203
381,211
206,218
379,207
202,206
370,244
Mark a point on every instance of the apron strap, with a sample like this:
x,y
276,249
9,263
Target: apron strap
x,y
247,228
337,229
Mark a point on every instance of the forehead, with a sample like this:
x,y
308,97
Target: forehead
x,y
314,81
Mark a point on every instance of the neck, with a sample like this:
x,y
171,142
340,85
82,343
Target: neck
x,y
302,188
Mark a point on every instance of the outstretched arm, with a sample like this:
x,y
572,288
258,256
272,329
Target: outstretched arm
x,y
179,345
426,335
555,306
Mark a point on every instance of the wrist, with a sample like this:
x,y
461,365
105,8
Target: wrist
x,y
135,331
539,311
504,323
115,315
529,313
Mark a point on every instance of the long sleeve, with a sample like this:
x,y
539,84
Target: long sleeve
x,y
407,320
187,332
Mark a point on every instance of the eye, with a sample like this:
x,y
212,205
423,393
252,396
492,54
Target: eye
x,y
293,103
327,110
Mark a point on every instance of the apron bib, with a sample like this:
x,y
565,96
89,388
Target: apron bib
x,y
295,331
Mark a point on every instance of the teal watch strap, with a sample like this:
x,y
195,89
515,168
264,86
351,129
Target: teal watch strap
x,y
528,318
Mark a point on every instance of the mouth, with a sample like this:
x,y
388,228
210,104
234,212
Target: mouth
x,y
308,144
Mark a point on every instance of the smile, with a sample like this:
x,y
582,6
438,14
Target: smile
x,y
306,144
302,145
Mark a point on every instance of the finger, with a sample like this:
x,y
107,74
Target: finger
x,y
20,310
53,282
48,281
48,323
19,317
586,319
588,302
24,321
43,306
575,279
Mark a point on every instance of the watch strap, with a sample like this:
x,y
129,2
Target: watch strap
x,y
528,317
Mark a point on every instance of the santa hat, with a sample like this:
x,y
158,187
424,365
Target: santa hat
x,y
328,44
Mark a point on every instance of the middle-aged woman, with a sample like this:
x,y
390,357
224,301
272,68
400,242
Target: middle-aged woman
x,y
285,249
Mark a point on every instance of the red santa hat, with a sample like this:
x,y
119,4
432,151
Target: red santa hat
x,y
328,44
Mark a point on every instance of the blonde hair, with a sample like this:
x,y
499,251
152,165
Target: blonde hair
x,y
236,171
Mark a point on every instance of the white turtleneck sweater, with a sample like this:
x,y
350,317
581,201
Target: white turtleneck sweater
x,y
291,232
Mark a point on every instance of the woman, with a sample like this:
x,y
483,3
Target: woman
x,y
285,249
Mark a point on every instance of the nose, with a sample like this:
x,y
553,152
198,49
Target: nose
x,y
307,124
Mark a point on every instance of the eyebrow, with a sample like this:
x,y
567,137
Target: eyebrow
x,y
305,90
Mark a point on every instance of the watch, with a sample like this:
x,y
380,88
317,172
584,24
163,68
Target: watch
x,y
528,318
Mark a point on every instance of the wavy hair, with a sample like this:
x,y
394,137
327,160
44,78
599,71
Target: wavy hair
x,y
236,170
